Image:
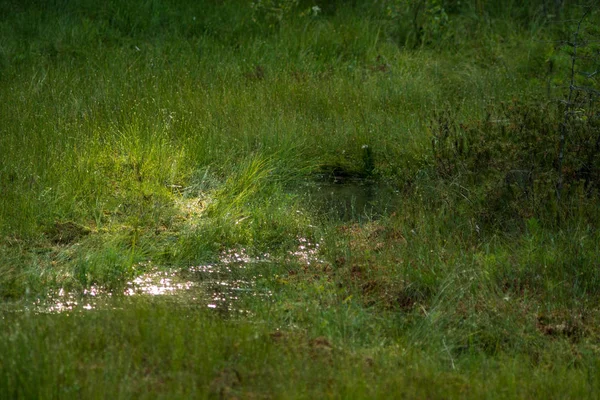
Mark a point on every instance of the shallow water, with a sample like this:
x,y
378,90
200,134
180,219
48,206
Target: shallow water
x,y
210,286
348,199
222,286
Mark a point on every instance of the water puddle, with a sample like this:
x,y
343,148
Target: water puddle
x,y
307,252
222,286
61,301
210,286
157,283
349,199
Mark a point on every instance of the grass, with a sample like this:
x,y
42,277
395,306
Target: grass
x,y
155,355
156,134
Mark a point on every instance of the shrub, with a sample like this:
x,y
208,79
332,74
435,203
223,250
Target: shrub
x,y
509,159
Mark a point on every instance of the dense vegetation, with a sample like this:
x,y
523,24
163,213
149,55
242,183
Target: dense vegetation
x,y
162,134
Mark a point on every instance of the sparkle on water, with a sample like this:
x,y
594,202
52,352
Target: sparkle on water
x,y
157,283
216,286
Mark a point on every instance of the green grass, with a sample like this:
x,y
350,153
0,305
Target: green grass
x,y
160,134
182,353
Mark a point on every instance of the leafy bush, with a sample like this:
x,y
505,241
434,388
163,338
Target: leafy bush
x,y
508,159
419,22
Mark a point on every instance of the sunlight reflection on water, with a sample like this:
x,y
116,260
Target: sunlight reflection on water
x,y
216,286
158,283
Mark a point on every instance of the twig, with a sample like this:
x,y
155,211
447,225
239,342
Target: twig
x,y
568,106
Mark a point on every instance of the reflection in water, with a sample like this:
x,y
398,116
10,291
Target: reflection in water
x,y
241,257
157,283
307,252
216,286
350,199
62,301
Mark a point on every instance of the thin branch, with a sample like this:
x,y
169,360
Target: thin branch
x,y
585,89
569,105
589,75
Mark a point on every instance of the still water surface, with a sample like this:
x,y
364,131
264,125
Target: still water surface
x,y
219,286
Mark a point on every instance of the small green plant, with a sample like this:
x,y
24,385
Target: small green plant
x,y
428,18
272,12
